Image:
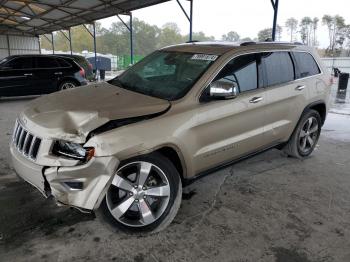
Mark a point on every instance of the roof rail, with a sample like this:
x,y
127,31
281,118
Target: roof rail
x,y
193,41
248,43
270,42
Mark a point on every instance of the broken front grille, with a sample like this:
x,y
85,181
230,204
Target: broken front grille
x,y
25,142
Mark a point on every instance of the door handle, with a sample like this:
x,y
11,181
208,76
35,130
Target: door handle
x,y
299,88
58,73
28,74
256,99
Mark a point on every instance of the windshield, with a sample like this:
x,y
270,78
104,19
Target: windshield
x,y
164,74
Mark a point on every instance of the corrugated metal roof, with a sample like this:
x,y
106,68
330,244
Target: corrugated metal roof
x,y
26,17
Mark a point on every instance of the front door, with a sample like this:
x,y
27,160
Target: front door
x,y
229,129
16,77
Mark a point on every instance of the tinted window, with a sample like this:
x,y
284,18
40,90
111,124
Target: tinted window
x,y
3,61
81,61
46,62
241,71
278,67
21,63
63,63
306,64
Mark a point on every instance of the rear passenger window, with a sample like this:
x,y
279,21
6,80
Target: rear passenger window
x,y
241,71
46,62
278,67
306,64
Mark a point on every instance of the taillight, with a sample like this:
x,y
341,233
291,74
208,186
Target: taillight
x,y
82,72
331,81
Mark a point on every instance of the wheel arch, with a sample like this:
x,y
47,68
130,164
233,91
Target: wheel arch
x,y
320,107
174,154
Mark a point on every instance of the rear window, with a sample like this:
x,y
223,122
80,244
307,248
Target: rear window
x,y
307,65
46,62
63,63
278,67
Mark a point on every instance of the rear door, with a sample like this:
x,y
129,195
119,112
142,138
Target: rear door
x,y
46,74
16,77
228,129
285,97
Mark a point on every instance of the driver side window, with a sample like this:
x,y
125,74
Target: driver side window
x,y
242,72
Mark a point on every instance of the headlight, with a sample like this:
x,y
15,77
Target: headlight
x,y
73,150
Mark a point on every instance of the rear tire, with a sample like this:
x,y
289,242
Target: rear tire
x,y
144,196
67,85
305,136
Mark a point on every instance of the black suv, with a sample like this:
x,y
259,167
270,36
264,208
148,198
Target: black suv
x,y
22,75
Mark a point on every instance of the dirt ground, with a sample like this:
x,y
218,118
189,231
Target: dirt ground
x,y
267,208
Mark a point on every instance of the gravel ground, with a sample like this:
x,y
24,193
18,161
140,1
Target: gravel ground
x,y
267,208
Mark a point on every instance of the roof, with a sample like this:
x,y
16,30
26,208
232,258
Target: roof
x,y
23,17
221,47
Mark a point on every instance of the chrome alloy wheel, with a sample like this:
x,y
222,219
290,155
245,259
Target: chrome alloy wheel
x,y
139,194
67,85
308,135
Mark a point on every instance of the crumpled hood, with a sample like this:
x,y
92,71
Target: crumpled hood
x,y
72,114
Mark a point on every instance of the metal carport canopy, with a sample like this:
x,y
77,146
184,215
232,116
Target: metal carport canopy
x,y
26,17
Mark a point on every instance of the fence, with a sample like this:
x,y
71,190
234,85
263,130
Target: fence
x,y
343,63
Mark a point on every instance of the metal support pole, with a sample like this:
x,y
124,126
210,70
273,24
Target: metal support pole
x,y
8,45
275,12
94,36
191,18
53,44
39,43
130,28
131,41
70,41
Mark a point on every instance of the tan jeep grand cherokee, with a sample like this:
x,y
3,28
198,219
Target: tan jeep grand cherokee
x,y
124,148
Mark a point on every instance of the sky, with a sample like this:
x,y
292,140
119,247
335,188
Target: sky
x,y
246,17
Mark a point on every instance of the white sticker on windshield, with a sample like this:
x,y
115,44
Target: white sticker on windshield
x,y
204,57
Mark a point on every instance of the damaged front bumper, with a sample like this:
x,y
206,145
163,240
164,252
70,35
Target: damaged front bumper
x,y
82,186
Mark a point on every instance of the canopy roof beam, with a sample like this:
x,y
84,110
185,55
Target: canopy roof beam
x,y
188,16
130,29
275,12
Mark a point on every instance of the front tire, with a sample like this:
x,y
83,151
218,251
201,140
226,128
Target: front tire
x,y
305,136
144,196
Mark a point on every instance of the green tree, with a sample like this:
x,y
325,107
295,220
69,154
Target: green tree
x,y
198,36
169,35
266,34
305,30
337,31
292,25
315,26
231,36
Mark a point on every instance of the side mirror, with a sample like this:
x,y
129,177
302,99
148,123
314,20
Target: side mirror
x,y
223,90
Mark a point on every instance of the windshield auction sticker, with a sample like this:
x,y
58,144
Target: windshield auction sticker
x,y
204,57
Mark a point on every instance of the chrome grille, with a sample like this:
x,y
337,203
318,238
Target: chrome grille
x,y
25,142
